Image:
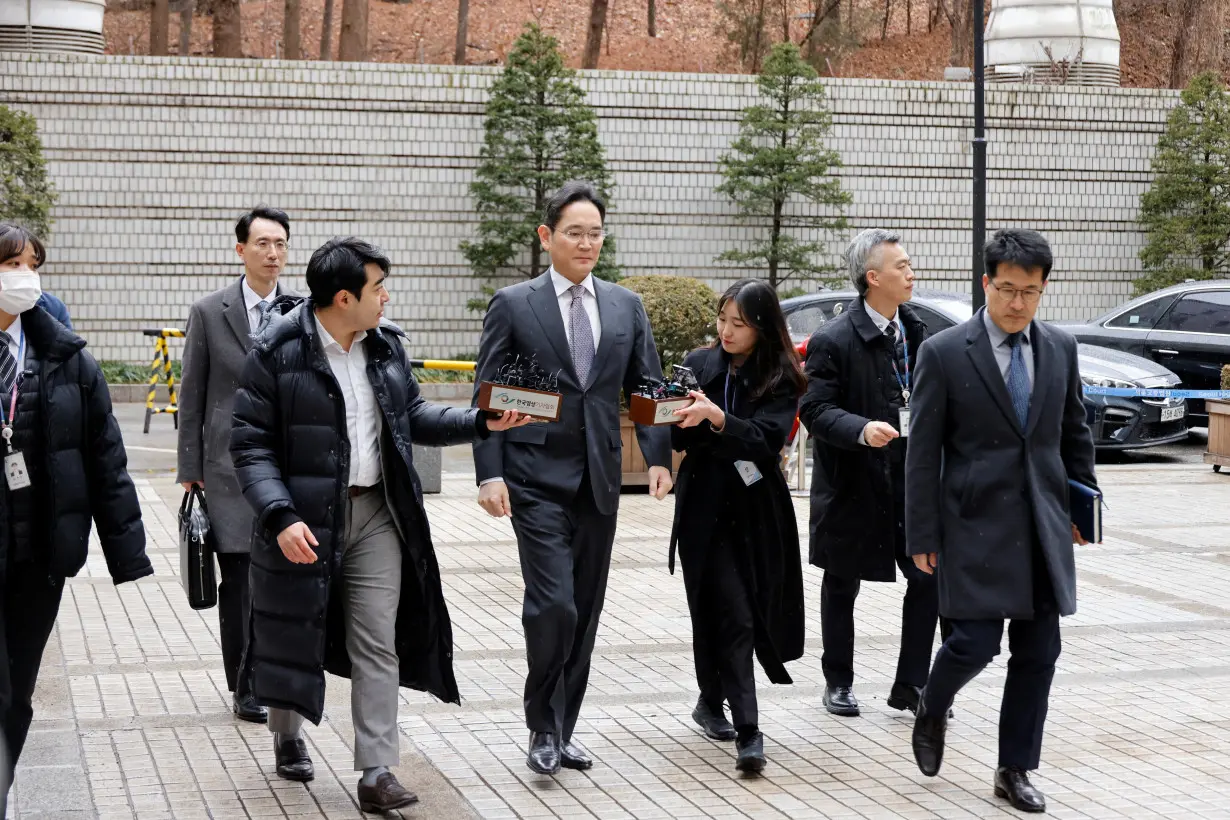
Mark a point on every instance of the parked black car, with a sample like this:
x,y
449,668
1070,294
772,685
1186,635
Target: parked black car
x,y
1185,328
1117,423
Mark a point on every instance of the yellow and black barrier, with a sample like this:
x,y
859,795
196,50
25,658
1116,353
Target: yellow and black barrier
x,y
159,370
442,364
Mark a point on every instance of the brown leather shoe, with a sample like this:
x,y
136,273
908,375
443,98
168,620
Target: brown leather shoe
x,y
386,795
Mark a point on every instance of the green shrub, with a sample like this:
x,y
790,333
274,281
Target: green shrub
x,y
682,312
128,373
26,194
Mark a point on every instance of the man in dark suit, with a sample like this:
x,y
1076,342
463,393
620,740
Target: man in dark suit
x,y
218,339
858,395
998,431
560,480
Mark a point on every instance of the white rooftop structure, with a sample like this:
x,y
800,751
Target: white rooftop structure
x,y
1074,42
52,25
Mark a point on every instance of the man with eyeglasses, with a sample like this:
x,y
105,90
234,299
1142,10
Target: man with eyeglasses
x,y
998,431
220,327
560,480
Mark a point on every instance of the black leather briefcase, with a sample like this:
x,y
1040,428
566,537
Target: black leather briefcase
x,y
196,551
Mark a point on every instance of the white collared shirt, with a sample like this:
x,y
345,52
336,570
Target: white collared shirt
x,y
589,301
14,333
362,412
252,301
882,322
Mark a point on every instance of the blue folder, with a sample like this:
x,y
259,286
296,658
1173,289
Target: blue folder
x,y
1086,504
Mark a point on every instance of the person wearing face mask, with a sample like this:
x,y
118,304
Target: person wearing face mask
x,y
734,520
56,431
344,577
32,256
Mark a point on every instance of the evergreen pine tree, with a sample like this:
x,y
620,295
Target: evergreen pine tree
x,y
26,194
540,133
778,172
1186,213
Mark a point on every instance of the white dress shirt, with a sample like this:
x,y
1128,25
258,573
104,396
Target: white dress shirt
x,y
362,412
14,333
589,301
882,322
252,301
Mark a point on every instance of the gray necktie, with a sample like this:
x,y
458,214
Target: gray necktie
x,y
8,368
580,335
261,307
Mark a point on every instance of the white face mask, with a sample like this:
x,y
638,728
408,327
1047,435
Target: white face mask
x,y
20,290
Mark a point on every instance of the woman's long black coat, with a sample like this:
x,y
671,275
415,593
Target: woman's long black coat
x,y
292,457
850,381
766,540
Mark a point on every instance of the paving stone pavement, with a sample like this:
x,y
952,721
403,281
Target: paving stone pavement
x,y
133,721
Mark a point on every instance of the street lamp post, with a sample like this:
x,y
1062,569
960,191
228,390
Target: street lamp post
x,y
980,155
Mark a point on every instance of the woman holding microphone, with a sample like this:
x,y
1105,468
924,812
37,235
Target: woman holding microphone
x,y
734,520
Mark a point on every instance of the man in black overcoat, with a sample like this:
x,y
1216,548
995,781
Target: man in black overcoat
x,y
858,391
998,431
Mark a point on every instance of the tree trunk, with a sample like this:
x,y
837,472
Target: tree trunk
x,y
463,28
1198,43
228,30
593,41
888,9
909,17
292,49
326,32
352,45
159,28
653,18
961,17
185,29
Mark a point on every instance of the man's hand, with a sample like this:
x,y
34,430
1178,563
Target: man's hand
x,y
493,497
879,433
660,482
508,420
925,562
296,542
1077,538
188,485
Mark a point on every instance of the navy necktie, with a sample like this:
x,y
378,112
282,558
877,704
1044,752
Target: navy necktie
x,y
8,368
1018,378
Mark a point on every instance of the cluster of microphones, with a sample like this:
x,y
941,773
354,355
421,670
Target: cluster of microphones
x,y
528,375
682,381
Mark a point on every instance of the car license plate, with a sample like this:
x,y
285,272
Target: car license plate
x,y
1173,413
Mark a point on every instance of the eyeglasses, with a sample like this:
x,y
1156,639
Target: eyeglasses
x,y
263,245
1029,296
595,237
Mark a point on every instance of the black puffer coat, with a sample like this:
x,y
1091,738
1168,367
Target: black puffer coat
x,y
76,460
292,457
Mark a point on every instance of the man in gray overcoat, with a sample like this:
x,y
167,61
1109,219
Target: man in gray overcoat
x,y
220,326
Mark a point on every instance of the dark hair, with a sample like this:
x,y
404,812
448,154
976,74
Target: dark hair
x,y
13,241
570,192
1017,246
244,225
338,265
774,359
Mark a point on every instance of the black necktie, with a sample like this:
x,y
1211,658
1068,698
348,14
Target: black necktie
x,y
898,349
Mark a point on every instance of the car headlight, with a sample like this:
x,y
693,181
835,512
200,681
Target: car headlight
x,y
1105,381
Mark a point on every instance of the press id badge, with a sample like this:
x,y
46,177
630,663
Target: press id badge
x,y
749,472
15,471
903,421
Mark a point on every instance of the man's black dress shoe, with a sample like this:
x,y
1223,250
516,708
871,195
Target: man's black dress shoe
x,y
840,701
1013,785
544,755
385,796
246,708
928,741
292,759
751,754
905,697
714,723
573,756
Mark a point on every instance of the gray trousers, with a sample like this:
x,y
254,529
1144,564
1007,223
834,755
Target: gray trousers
x,y
371,590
